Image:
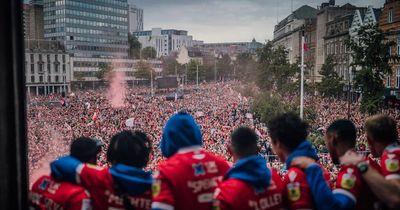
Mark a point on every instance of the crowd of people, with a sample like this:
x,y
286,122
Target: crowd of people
x,y
218,107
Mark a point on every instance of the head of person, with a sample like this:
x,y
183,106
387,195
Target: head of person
x,y
287,132
340,137
381,131
129,148
243,143
85,149
180,131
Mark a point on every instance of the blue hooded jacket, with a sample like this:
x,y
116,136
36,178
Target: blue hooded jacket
x,y
253,170
180,131
305,149
133,180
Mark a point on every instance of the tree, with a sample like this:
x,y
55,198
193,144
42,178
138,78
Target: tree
x,y
330,86
192,71
134,46
274,70
224,66
143,70
246,67
104,70
149,53
371,59
171,66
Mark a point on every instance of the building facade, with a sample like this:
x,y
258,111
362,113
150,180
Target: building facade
x,y
165,41
88,28
135,19
84,70
389,23
288,32
327,14
232,48
47,67
33,20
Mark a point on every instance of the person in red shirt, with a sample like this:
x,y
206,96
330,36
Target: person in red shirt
x,y
123,186
188,178
351,192
50,193
249,184
288,134
383,141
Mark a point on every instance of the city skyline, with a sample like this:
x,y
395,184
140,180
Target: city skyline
x,y
243,20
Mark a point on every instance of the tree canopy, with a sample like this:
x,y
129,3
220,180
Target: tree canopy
x,y
149,53
134,46
331,85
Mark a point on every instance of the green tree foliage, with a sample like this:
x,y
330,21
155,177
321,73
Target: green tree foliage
x,y
143,70
266,106
192,71
245,67
371,58
104,70
274,69
330,86
134,46
149,53
171,66
224,66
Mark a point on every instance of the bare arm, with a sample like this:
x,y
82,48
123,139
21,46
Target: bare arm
x,y
388,191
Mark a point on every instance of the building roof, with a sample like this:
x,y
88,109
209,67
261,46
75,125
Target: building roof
x,y
304,12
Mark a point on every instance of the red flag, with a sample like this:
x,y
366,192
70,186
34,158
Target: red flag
x,y
305,47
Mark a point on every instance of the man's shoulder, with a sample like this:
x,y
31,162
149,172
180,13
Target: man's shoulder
x,y
294,174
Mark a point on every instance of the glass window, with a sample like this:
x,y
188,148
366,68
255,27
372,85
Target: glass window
x,y
63,58
56,78
63,68
56,68
32,79
40,78
32,68
48,58
398,78
31,58
48,68
390,15
48,78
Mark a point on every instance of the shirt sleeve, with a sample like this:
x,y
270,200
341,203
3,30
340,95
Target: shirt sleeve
x,y
80,201
390,165
163,197
221,201
89,175
324,198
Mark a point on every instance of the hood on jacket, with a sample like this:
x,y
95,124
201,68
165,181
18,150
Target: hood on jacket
x,y
132,180
305,149
252,170
180,131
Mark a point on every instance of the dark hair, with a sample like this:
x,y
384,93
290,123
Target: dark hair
x,y
382,129
244,141
129,148
345,130
288,129
85,149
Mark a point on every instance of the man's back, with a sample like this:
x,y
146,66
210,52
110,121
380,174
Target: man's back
x,y
236,194
47,193
187,180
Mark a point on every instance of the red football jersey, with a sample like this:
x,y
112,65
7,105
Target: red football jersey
x,y
99,182
350,183
48,194
297,189
390,162
187,180
234,194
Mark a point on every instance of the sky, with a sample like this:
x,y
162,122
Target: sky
x,y
226,20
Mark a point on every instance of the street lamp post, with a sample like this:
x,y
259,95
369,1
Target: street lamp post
x,y
197,75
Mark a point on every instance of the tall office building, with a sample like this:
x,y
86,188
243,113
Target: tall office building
x,y
88,28
33,20
135,19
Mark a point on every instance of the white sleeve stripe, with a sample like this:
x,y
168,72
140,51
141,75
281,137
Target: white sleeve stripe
x,y
346,193
392,176
78,171
164,206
